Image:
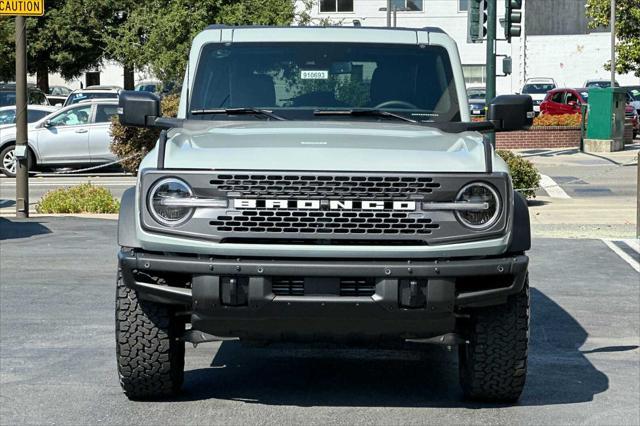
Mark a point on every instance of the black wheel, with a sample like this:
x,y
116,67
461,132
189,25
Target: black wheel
x,y
493,365
149,349
8,161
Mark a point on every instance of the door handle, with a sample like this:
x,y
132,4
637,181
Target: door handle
x,y
81,131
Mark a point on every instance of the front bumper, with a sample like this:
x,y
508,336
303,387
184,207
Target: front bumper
x,y
447,286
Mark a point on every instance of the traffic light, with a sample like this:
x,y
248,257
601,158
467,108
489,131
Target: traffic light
x,y
477,21
513,16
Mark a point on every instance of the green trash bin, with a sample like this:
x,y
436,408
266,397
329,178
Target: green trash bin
x,y
605,119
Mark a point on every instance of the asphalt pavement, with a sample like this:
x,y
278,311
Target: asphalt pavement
x,y
57,353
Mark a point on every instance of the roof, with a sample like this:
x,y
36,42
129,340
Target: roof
x,y
231,27
32,107
96,101
96,90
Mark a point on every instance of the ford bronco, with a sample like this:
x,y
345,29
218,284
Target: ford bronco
x,y
323,185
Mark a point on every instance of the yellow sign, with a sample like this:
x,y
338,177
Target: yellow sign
x,y
22,7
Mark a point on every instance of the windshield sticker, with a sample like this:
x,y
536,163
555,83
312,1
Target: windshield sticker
x,y
314,74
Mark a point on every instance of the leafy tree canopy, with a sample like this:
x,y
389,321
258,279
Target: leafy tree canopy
x,y
158,33
627,31
68,39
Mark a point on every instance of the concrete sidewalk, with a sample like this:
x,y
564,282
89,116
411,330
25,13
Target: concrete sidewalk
x,y
572,156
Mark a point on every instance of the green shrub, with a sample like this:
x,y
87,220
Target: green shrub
x,y
523,172
85,198
137,142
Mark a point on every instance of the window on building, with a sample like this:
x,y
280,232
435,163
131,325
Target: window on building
x,y
410,5
463,5
336,5
474,74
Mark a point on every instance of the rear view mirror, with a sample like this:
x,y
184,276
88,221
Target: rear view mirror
x,y
138,109
511,112
47,123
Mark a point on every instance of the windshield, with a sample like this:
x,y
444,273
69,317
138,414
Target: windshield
x,y
530,89
74,98
146,88
603,84
584,95
476,95
7,98
295,79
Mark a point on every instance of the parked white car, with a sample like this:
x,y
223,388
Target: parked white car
x,y
72,136
537,88
92,92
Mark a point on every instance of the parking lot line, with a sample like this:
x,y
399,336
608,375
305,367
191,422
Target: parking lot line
x,y
630,255
553,189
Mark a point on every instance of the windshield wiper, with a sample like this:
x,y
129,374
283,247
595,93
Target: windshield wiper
x,y
238,111
363,113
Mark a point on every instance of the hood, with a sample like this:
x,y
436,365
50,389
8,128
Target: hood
x,y
537,96
9,130
322,145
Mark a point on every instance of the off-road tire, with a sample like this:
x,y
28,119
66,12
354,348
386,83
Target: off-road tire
x,y
149,348
493,365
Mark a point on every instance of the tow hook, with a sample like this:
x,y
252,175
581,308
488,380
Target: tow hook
x,y
196,337
449,339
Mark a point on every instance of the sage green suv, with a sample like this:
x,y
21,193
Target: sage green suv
x,y
323,184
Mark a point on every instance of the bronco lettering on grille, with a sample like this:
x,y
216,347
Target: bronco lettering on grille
x,y
324,204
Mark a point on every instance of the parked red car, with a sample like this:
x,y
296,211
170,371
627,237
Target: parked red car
x,y
564,101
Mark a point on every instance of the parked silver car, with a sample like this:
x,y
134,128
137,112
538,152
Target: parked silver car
x,y
34,113
75,135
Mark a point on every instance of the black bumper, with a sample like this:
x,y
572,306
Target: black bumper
x,y
447,286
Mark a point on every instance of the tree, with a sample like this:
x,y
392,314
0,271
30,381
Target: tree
x,y
158,33
68,39
627,31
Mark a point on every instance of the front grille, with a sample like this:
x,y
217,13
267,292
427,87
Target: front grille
x,y
357,287
324,186
348,287
325,222
288,286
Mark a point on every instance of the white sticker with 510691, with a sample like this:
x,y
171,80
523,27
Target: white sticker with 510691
x,y
314,74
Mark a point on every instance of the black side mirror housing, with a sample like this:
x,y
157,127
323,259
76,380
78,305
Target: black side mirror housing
x,y
511,112
138,109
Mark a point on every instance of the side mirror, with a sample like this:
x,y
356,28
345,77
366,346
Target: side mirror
x,y
47,123
511,112
138,109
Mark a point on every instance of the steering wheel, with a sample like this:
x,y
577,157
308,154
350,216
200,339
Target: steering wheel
x,y
386,104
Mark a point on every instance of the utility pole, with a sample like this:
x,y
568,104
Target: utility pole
x,y
613,43
21,151
491,57
20,9
388,13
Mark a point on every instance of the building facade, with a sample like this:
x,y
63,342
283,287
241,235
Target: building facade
x,y
555,41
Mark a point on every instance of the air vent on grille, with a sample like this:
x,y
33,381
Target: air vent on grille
x,y
357,287
322,222
326,187
354,287
288,286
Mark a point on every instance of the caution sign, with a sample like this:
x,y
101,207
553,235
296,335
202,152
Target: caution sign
x,y
22,7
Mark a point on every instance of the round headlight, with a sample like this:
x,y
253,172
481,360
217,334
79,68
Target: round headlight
x,y
479,192
161,210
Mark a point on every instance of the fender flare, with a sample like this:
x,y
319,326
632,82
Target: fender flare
x,y
521,231
127,220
